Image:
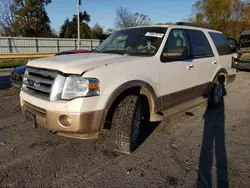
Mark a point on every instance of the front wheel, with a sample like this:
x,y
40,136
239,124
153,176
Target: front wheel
x,y
131,113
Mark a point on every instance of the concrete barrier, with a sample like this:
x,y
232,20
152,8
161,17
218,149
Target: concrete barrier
x,y
24,55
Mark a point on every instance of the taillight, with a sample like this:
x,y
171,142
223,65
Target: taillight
x,y
233,63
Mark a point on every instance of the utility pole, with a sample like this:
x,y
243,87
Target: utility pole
x,y
79,4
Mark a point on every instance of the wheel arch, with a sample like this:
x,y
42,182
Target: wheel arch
x,y
221,73
134,86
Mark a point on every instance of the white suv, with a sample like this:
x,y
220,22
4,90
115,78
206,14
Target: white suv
x,y
131,78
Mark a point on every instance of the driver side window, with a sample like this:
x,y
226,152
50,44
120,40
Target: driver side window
x,y
177,46
177,38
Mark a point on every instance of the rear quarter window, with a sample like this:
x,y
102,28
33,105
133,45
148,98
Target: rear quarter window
x,y
221,43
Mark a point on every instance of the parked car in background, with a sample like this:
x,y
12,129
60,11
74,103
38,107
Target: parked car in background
x,y
18,72
241,50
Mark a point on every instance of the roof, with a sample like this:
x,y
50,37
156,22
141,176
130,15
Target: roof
x,y
247,32
175,25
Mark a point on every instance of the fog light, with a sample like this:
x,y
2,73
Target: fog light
x,y
65,121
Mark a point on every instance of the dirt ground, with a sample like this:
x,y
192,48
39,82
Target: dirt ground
x,y
201,148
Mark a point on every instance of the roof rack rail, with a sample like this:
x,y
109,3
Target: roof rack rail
x,y
191,24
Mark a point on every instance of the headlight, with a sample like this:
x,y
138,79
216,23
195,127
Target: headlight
x,y
76,86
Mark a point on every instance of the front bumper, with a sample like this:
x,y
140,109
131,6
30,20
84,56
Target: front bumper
x,y
82,125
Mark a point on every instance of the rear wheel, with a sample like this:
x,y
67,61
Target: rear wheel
x,y
130,114
216,94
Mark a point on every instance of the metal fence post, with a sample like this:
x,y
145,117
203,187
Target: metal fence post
x,y
75,45
58,47
37,48
10,45
91,44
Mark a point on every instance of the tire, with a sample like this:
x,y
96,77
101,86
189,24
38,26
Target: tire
x,y
216,94
128,117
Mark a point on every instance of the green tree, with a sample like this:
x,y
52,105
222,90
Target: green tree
x,y
97,31
69,28
6,16
125,19
64,28
30,18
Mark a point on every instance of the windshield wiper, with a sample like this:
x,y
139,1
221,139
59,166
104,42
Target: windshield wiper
x,y
114,52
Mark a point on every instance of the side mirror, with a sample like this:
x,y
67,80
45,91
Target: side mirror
x,y
179,53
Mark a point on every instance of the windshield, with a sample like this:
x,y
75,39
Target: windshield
x,y
142,41
245,41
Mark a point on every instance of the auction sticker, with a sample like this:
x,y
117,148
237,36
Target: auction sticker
x,y
151,34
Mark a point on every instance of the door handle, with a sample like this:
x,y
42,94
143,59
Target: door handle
x,y
190,67
214,63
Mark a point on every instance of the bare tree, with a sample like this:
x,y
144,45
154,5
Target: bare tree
x,y
125,19
6,16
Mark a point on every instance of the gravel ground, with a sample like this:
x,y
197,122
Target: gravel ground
x,y
201,148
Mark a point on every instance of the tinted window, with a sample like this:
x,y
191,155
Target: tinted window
x,y
199,44
221,43
176,38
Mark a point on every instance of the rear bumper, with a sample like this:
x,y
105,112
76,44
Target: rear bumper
x,y
16,83
17,80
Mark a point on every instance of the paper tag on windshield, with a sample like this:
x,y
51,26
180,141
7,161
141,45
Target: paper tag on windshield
x,y
151,34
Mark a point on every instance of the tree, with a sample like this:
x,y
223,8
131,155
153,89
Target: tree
x,y
64,28
30,18
97,31
229,16
6,16
69,28
125,19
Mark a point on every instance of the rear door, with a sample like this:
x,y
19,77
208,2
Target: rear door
x,y
204,59
223,51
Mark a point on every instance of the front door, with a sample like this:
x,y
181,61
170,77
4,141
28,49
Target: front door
x,y
177,78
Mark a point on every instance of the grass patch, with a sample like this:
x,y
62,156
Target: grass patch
x,y
11,63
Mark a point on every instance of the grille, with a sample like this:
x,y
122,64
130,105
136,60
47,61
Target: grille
x,y
43,83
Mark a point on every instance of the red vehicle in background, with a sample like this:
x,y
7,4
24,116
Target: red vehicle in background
x,y
74,52
18,72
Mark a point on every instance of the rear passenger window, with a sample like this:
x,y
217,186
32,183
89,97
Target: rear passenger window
x,y
221,43
199,44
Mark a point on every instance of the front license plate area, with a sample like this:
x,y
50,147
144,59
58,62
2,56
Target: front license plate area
x,y
31,118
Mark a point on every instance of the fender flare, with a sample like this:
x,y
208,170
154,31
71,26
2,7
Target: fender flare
x,y
146,89
221,71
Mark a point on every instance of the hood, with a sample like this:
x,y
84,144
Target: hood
x,y
79,63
